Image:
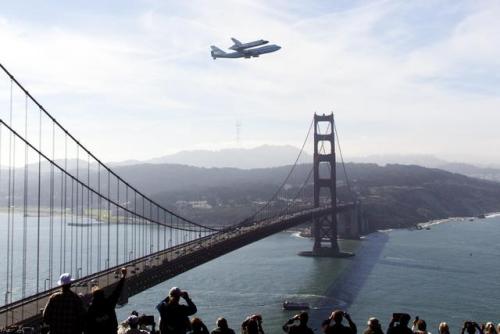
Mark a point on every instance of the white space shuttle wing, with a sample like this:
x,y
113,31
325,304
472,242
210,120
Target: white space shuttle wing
x,y
238,46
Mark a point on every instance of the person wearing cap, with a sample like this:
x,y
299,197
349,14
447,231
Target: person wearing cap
x,y
301,327
373,327
173,315
133,323
64,312
101,315
222,327
337,328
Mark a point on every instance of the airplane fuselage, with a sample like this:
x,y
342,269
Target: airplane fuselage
x,y
246,53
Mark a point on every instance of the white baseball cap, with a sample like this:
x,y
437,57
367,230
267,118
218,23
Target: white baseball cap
x,y
65,279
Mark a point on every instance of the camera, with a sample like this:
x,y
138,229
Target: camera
x,y
147,320
399,316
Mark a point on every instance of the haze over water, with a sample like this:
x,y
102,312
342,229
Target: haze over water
x,y
448,273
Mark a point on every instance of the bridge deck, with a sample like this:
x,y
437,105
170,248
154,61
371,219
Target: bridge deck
x,y
158,267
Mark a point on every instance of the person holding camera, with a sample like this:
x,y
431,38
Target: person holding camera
x,y
337,328
174,317
252,325
133,323
301,328
399,324
470,327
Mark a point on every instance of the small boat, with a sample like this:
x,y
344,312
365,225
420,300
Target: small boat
x,y
287,305
481,216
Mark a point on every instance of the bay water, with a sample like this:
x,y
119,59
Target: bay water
x,y
447,273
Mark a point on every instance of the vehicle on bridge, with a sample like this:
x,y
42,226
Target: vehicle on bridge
x,y
244,50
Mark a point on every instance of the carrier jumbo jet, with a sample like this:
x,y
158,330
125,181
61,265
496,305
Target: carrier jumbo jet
x,y
244,50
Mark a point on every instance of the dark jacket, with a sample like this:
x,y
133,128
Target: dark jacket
x,y
341,329
398,329
219,330
64,313
290,328
101,316
174,317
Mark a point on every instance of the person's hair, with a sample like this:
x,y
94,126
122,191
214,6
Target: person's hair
x,y
421,325
97,295
443,328
338,315
373,323
303,317
250,326
222,323
196,323
490,327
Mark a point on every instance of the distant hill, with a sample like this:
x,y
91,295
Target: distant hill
x,y
245,158
391,195
427,160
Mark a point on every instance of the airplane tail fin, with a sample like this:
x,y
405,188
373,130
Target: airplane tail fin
x,y
235,41
216,51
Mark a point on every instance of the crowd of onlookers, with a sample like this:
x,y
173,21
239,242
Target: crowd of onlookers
x,y
68,313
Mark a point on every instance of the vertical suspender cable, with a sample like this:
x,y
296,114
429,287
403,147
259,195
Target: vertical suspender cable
x,y
25,200
65,195
89,221
77,210
117,222
51,232
9,204
109,221
38,208
99,218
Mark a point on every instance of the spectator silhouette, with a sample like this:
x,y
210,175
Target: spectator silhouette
x,y
222,327
443,328
101,315
399,324
470,327
419,326
489,328
337,327
373,327
64,312
133,323
174,316
252,325
198,327
301,327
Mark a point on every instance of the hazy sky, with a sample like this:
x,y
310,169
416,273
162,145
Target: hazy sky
x,y
135,80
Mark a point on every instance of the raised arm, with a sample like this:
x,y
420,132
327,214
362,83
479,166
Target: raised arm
x,y
352,325
191,307
115,295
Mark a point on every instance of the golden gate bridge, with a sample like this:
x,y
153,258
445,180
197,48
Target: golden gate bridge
x,y
64,210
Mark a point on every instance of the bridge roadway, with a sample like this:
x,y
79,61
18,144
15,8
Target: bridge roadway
x,y
153,269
